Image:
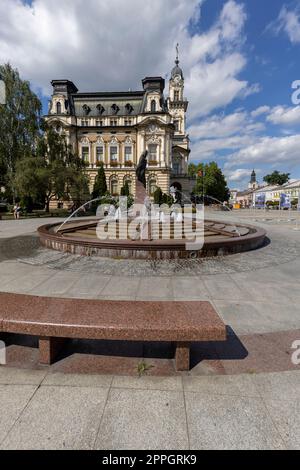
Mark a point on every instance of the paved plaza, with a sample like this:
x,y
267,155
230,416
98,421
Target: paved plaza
x,y
243,394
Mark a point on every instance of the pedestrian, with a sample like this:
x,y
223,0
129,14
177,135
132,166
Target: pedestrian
x,y
17,211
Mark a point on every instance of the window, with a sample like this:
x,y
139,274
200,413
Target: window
x,y
152,148
58,108
176,95
113,122
99,123
153,106
114,187
99,154
114,153
152,187
84,122
176,124
176,168
128,122
115,109
128,108
128,153
85,153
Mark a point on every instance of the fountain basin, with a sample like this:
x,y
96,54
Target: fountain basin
x,y
220,239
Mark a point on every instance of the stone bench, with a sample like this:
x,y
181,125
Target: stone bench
x,y
53,319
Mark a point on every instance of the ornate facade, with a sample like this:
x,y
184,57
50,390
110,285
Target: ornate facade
x,y
116,127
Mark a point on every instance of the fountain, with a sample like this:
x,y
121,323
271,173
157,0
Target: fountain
x,y
147,231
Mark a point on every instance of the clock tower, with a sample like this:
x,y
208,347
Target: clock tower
x,y
177,107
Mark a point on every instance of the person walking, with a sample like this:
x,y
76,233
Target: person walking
x,y
17,211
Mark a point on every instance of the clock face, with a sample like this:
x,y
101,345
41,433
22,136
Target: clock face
x,y
177,79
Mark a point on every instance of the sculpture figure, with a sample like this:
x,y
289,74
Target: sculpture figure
x,y
141,168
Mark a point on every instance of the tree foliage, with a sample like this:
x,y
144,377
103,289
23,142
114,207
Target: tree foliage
x,y
100,185
19,124
211,182
54,171
125,191
192,170
277,178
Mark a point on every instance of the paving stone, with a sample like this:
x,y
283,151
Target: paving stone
x,y
235,385
13,399
78,380
59,418
279,385
14,376
225,423
148,383
286,417
143,419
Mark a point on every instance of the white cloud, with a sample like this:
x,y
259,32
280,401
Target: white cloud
x,y
113,44
260,111
207,149
238,175
219,126
284,115
289,22
269,151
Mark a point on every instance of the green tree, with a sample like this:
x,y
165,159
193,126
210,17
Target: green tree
x,y
125,191
19,124
211,182
277,178
192,170
54,172
157,195
100,185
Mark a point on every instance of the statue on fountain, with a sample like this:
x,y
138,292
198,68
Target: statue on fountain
x,y
141,168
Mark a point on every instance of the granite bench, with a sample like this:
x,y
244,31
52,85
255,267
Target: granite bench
x,y
53,320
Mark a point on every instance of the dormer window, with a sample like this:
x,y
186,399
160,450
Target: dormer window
x,y
153,106
128,108
58,107
86,109
115,109
100,109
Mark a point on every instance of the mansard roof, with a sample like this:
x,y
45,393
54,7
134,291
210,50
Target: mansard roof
x,y
107,100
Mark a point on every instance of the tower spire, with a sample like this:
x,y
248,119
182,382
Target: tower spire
x,y
177,54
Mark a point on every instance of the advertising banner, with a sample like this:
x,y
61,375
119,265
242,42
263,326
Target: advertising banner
x,y
285,201
260,200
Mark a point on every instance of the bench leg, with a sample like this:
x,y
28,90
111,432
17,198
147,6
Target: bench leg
x,y
49,349
182,356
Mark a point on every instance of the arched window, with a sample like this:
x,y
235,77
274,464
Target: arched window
x,y
114,187
58,107
153,106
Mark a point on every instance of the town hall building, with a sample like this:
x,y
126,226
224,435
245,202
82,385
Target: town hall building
x,y
117,127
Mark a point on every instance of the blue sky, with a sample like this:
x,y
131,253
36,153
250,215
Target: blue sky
x,y
239,59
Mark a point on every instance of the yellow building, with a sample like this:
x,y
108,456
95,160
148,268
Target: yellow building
x,y
116,127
